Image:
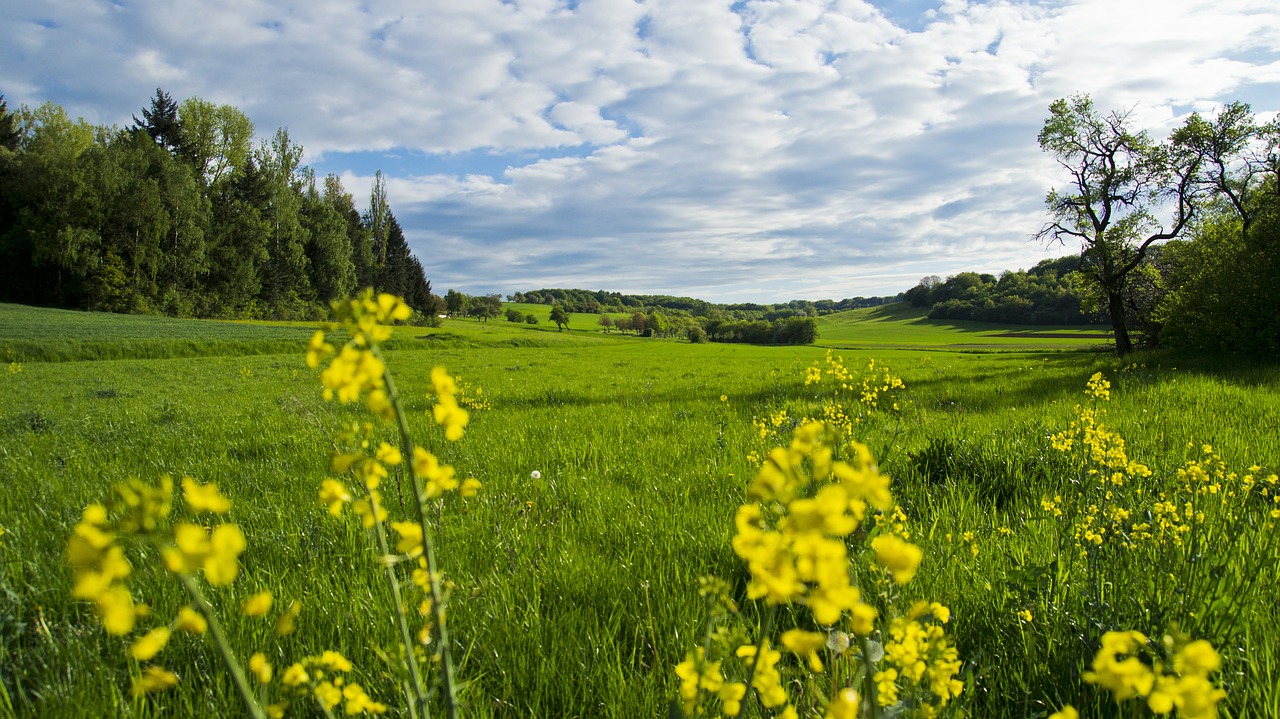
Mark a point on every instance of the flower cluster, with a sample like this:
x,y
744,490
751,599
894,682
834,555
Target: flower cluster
x,y
920,661
791,532
140,512
321,676
1124,666
811,503
357,370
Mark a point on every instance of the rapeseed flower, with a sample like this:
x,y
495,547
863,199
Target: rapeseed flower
x,y
189,620
204,497
260,667
257,605
154,679
149,644
901,558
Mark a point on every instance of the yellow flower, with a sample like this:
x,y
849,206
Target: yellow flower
x,y
258,604
731,694
805,644
410,538
295,675
328,695
204,497
189,620
318,350
260,667
359,703
150,644
334,494
1067,712
844,705
154,679
1025,616
899,557
470,486
334,661
223,563
388,455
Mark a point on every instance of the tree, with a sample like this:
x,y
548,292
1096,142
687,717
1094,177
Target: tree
x,y
514,315
1119,179
456,303
560,316
486,306
10,133
161,122
216,139
606,322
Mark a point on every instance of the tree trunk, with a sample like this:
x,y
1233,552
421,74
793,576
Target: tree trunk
x,y
1119,327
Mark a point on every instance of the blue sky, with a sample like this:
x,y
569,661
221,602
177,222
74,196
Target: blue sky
x,y
758,150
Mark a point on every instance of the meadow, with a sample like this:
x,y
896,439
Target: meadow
x,y
611,469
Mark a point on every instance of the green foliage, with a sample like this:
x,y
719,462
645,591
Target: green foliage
x,y
179,215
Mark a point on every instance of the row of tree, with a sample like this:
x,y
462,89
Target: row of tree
x,y
598,301
1047,294
181,214
678,323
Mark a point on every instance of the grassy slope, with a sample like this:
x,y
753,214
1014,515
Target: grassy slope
x,y
576,592
899,325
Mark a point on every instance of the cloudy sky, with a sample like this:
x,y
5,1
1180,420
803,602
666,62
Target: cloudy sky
x,y
760,150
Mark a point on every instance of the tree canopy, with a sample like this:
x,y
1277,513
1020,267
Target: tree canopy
x,y
180,214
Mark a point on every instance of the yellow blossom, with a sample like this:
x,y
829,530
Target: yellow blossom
x,y
899,557
410,538
328,695
204,497
258,604
287,622
260,667
334,495
154,679
295,675
150,644
359,703
189,620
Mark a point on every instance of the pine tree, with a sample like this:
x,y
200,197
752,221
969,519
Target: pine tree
x,y
161,122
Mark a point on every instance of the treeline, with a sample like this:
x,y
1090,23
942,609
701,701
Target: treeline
x,y
650,321
181,214
594,302
1047,294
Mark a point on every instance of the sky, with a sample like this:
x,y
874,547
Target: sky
x,y
750,151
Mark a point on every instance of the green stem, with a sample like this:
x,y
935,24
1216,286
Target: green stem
x,y
765,630
402,621
868,679
439,629
224,647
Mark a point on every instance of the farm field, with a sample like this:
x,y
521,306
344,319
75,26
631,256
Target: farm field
x,y
612,468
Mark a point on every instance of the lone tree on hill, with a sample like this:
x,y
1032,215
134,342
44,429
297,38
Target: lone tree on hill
x,y
560,316
1120,179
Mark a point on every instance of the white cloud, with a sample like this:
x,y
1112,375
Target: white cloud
x,y
790,148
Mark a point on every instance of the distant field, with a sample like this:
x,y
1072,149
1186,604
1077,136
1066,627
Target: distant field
x,y
899,325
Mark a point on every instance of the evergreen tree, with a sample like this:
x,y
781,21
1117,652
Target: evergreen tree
x,y
160,122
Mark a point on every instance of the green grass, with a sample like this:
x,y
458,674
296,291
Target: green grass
x,y
576,593
899,325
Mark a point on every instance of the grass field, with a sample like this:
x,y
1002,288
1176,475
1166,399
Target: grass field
x,y
576,592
